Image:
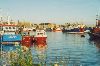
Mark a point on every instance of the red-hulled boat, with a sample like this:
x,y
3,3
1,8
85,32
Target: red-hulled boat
x,y
27,41
95,32
40,37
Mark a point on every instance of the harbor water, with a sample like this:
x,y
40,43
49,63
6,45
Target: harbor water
x,y
66,50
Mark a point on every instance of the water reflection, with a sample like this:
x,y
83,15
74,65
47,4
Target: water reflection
x,y
95,44
39,54
41,49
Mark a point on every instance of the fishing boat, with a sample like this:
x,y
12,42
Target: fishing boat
x,y
95,31
57,30
74,30
28,29
8,27
40,37
27,38
9,33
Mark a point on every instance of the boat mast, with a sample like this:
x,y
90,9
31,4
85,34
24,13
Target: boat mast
x,y
1,19
8,20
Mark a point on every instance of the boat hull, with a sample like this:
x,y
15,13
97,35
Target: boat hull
x,y
72,31
75,32
41,40
57,30
27,41
94,36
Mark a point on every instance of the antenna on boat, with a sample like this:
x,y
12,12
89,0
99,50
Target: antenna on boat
x,y
97,20
1,15
8,19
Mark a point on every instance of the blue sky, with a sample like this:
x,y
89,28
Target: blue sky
x,y
55,11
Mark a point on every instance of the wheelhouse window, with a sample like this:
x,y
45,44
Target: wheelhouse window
x,y
9,27
6,27
41,33
13,27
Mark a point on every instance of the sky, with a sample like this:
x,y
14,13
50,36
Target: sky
x,y
52,11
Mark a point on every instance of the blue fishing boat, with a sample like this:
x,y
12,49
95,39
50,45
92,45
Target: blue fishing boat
x,y
72,29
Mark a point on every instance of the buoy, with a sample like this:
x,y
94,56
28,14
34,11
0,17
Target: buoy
x,y
82,35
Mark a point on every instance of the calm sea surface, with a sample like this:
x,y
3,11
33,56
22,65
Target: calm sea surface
x,y
68,50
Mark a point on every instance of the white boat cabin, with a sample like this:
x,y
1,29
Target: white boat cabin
x,y
8,29
40,33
